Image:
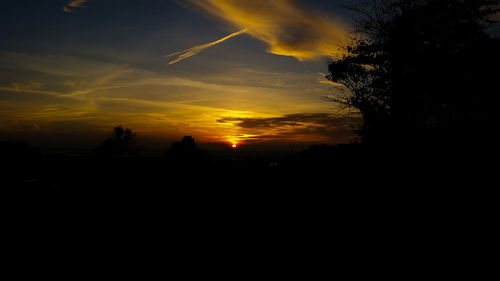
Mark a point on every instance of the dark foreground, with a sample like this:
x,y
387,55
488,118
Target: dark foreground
x,y
357,210
319,174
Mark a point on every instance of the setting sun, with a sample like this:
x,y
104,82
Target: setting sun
x,y
160,100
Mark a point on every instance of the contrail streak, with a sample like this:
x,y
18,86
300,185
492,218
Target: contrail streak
x,y
195,50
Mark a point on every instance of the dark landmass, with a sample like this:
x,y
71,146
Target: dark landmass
x,y
352,197
321,168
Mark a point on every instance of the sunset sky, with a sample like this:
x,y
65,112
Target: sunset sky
x,y
246,72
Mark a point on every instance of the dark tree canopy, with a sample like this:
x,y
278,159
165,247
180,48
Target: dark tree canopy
x,y
185,153
422,71
121,143
186,144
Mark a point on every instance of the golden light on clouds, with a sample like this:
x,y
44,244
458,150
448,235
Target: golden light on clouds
x,y
26,86
195,50
289,29
74,4
94,85
97,96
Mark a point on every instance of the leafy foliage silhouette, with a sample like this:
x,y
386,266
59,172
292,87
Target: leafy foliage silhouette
x,y
122,142
185,153
421,71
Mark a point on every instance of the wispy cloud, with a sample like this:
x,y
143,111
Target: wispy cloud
x,y
319,126
13,88
195,50
87,93
74,4
27,86
288,28
297,119
108,78
30,87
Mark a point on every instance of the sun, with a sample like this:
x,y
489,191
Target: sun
x,y
234,145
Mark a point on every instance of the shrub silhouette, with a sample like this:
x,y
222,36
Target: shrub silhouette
x,y
122,142
186,153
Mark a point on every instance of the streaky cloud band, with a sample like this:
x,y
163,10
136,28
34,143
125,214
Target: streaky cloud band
x,y
288,27
181,55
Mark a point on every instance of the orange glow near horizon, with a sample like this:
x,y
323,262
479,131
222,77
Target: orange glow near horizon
x,y
238,97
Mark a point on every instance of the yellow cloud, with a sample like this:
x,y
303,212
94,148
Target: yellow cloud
x,y
77,3
29,90
74,4
195,50
331,83
26,86
74,84
288,28
107,78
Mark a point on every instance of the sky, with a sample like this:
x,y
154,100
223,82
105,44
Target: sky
x,y
222,71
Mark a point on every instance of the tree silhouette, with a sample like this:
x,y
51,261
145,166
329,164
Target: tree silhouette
x,y
120,143
421,71
186,153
